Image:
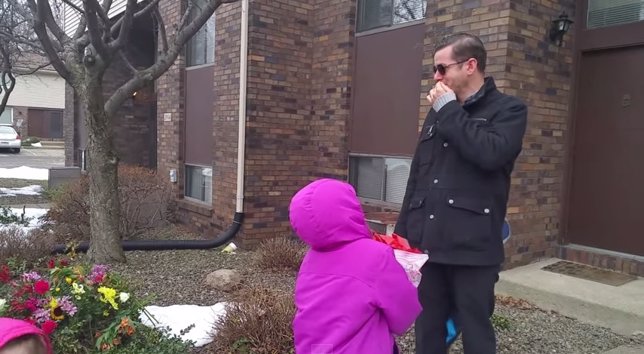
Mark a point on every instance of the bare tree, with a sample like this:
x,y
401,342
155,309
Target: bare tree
x,y
82,58
13,29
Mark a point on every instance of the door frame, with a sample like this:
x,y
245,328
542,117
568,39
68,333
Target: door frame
x,y
588,40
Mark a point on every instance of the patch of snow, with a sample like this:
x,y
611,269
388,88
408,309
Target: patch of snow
x,y
29,190
180,317
38,145
33,213
24,172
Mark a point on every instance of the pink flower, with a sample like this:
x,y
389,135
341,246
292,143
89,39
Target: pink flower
x,y
31,276
41,287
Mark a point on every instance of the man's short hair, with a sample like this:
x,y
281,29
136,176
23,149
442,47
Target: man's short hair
x,y
465,46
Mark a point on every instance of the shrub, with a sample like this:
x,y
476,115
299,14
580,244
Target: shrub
x,y
280,253
28,247
259,322
84,309
146,203
29,140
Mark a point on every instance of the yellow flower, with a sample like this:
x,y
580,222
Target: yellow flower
x,y
57,290
106,313
68,280
109,295
55,311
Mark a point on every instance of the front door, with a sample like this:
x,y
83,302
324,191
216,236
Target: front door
x,y
606,206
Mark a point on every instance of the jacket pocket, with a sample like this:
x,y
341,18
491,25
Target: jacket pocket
x,y
415,220
468,222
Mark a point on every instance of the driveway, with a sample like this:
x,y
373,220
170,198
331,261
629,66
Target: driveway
x,y
34,157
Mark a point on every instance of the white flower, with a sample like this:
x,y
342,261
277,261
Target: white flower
x,y
124,297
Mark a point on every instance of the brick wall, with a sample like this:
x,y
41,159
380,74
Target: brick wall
x,y
331,83
524,63
170,103
279,150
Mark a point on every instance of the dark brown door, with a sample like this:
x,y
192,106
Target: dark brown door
x,y
45,123
607,187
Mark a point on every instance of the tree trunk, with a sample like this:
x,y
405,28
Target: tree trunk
x,y
105,238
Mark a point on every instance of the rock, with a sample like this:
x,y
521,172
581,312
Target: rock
x,y
223,279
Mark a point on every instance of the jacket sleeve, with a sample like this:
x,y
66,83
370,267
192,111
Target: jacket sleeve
x,y
401,224
488,144
396,295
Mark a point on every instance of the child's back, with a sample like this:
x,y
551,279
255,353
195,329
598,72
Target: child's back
x,y
351,294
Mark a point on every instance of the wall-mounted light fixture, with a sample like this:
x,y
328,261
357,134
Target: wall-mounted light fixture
x,y
559,28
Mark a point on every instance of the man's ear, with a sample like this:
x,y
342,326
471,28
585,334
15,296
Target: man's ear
x,y
472,66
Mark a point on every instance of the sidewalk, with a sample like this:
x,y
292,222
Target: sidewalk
x,y
620,308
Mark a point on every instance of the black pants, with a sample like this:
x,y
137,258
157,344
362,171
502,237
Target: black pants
x,y
465,292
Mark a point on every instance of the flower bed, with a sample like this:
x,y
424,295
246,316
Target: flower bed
x,y
82,308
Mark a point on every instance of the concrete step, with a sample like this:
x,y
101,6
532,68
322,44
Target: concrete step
x,y
620,308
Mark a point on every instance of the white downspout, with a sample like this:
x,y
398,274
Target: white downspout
x,y
243,74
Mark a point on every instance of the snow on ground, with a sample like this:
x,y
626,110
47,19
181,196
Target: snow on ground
x,y
180,317
33,213
24,172
29,190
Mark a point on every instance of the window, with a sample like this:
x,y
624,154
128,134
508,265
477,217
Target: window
x,y
6,118
201,48
379,178
604,13
199,183
384,13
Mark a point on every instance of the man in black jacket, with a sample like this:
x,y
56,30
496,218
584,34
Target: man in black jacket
x,y
457,192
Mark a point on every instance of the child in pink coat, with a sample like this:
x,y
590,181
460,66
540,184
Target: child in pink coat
x,y
20,337
351,295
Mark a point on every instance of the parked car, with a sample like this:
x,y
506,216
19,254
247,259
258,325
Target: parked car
x,y
9,139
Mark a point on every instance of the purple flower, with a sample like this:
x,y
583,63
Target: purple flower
x,y
98,273
67,305
41,315
31,277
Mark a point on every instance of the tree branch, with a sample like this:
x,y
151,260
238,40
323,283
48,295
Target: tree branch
x,y
94,30
152,5
51,23
126,26
164,61
128,63
43,35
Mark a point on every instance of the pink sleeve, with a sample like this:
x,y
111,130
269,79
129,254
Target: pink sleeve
x,y
397,296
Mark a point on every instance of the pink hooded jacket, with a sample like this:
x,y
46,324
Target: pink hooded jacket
x,y
351,294
11,329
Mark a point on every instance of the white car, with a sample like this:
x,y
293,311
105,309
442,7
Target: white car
x,y
9,139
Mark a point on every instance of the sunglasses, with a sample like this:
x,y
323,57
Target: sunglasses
x,y
442,68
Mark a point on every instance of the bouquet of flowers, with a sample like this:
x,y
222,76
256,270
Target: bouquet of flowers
x,y
409,258
78,306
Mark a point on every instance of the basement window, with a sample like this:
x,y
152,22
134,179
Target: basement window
x,y
379,178
386,13
199,183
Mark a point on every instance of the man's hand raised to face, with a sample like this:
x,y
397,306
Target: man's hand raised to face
x,y
439,90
